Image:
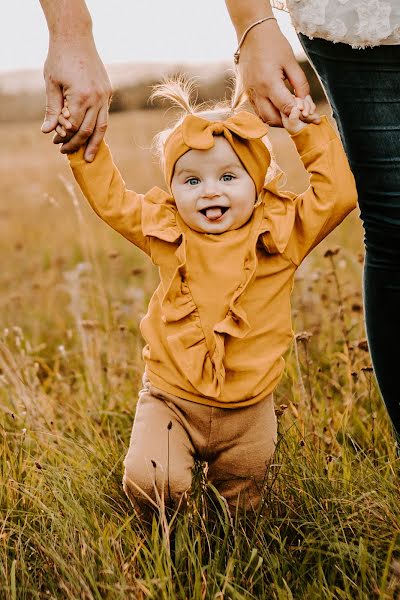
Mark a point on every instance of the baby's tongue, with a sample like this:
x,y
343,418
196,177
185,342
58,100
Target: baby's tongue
x,y
213,213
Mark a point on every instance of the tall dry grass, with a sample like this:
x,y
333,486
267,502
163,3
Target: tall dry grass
x,y
72,295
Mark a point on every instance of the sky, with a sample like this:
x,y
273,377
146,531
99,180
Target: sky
x,y
130,31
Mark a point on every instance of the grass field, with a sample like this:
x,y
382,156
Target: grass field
x,y
72,293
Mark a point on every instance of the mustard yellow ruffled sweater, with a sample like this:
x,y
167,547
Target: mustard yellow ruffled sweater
x,y
220,319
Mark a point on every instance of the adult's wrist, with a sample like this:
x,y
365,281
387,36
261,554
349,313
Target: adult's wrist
x,y
67,19
83,33
243,14
236,56
83,41
246,24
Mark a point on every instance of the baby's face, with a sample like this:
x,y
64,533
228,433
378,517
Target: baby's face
x,y
212,190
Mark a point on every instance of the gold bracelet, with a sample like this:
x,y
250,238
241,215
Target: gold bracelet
x,y
237,53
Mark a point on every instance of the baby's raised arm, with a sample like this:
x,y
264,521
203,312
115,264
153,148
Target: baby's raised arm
x,y
332,193
106,192
104,188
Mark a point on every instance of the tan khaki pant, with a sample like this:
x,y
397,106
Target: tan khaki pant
x,y
169,433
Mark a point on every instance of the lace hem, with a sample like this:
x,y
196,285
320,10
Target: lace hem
x,y
360,24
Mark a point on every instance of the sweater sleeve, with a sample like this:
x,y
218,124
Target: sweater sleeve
x,y
105,190
332,193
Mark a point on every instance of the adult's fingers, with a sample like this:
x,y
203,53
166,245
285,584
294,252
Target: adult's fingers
x,y
309,115
297,79
54,104
271,97
266,110
280,96
98,134
84,132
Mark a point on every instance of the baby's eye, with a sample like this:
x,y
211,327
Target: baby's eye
x,y
228,177
192,180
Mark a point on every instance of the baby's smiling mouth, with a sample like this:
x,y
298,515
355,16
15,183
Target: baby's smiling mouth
x,y
213,213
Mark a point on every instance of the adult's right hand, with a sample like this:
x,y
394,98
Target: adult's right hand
x,y
73,71
266,61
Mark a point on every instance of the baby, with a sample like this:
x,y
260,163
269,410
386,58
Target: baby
x,y
227,242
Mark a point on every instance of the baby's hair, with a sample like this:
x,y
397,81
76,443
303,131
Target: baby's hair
x,y
180,91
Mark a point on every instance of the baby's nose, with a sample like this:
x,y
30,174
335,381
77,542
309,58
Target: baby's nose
x,y
210,194
210,190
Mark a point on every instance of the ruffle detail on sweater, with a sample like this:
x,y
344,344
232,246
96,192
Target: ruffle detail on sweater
x,y
159,216
185,335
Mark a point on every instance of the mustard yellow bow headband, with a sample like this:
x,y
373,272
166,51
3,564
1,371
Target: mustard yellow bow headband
x,y
243,131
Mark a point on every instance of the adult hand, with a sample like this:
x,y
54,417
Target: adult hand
x,y
73,71
266,61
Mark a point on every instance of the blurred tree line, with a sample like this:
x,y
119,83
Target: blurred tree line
x,y
29,106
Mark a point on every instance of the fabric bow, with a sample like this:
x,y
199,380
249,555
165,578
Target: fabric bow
x,y
198,133
243,131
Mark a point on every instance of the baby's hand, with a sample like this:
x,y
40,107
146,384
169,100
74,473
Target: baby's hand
x,y
301,114
63,123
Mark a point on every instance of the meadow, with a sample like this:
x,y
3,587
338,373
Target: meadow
x,y
72,293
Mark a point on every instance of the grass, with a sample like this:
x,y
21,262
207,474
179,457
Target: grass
x,y
73,294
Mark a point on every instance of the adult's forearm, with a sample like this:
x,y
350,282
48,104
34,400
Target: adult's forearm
x,y
245,12
67,18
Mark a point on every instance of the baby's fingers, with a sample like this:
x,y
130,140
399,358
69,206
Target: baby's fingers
x,y
64,122
61,131
309,115
309,106
314,118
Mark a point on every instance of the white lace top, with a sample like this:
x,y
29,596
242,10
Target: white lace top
x,y
360,23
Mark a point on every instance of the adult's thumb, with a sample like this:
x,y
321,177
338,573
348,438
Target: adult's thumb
x,y
281,97
54,105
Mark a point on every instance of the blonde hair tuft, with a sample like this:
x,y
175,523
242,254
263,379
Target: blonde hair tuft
x,y
178,90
